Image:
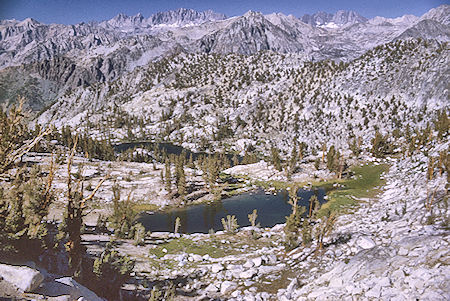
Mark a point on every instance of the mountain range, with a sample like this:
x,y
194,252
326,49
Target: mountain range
x,y
343,36
79,73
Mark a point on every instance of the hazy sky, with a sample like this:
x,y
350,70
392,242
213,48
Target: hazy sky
x,y
75,11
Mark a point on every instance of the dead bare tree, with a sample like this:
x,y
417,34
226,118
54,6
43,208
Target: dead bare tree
x,y
324,228
73,216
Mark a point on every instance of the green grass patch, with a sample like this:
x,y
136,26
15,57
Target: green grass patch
x,y
184,245
139,207
158,264
278,185
366,179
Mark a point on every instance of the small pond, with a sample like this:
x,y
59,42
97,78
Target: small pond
x,y
272,210
167,147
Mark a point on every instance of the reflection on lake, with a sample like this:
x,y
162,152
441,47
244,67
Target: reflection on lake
x,y
272,210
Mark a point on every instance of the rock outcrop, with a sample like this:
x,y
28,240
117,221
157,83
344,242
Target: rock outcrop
x,y
24,278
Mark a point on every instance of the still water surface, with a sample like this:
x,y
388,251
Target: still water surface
x,y
272,210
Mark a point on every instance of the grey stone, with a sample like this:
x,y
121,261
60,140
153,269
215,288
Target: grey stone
x,y
293,285
67,286
248,283
196,257
215,268
249,298
211,288
272,259
385,281
265,296
398,274
249,264
365,242
227,287
24,278
248,274
315,295
374,292
257,261
60,298
335,282
403,251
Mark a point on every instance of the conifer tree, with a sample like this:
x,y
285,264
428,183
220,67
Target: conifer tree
x,y
181,185
25,196
168,176
331,158
276,161
294,158
293,221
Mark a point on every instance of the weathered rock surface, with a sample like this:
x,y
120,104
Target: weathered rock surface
x,y
66,286
22,277
395,253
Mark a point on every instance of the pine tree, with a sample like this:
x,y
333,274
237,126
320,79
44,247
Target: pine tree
x,y
314,205
181,181
380,145
168,176
276,161
25,200
293,221
294,158
123,217
331,159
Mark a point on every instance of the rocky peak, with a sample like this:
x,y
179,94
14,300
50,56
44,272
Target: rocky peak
x,y
29,23
318,18
185,16
340,18
122,20
439,14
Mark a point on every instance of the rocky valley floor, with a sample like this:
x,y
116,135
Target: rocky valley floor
x,y
393,245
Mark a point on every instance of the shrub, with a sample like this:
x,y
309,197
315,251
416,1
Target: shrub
x,y
230,225
123,216
292,226
139,234
25,196
111,270
252,218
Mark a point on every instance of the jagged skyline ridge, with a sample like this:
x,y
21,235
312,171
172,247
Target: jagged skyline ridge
x,y
74,12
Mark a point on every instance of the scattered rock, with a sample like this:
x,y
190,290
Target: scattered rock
x,y
384,282
365,242
211,288
67,286
248,274
403,251
292,285
24,278
257,261
374,292
335,282
249,264
216,268
227,287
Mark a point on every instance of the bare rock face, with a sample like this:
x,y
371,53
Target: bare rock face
x,y
22,277
66,286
